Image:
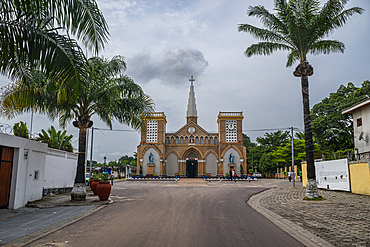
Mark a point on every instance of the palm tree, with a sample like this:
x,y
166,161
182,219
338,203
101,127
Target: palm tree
x,y
300,27
109,94
35,35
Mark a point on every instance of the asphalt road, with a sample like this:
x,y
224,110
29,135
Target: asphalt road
x,y
166,214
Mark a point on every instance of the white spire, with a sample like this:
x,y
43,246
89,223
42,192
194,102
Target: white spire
x,y
192,108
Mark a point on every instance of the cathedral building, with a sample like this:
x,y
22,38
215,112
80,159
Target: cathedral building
x,y
192,150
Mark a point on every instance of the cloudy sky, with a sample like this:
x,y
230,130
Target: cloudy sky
x,y
166,42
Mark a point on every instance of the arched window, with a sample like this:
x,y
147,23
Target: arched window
x,y
206,140
215,140
172,140
167,140
197,140
182,140
211,140
186,140
177,140
201,140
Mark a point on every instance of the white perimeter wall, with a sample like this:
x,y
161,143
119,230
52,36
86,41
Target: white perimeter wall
x,y
24,185
333,175
60,169
54,168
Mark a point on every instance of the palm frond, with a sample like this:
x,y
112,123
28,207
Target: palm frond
x,y
265,48
293,56
327,46
262,34
269,20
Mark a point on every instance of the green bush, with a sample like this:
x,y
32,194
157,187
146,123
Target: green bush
x,y
20,129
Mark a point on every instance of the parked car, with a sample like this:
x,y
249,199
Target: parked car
x,y
257,175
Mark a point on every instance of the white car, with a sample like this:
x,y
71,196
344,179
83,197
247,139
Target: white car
x,y
257,175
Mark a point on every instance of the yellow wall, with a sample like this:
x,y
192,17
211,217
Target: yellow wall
x,y
360,178
304,174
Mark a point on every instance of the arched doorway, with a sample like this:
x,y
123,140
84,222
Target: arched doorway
x,y
191,165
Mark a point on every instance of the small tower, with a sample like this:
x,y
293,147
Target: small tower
x,y
191,114
230,127
155,128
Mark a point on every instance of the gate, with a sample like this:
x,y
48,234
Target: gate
x,y
6,164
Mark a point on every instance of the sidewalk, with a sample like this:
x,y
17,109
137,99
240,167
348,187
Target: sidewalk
x,y
21,226
342,219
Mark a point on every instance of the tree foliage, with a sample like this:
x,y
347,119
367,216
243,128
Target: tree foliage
x,y
299,27
35,35
332,129
56,139
20,129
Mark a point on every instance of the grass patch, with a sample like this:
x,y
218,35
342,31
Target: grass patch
x,y
320,198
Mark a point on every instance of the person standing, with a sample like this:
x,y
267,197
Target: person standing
x,y
233,176
230,174
290,176
300,175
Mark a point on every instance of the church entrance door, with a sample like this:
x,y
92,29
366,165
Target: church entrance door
x,y
191,168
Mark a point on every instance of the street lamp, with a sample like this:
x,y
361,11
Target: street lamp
x,y
105,160
119,168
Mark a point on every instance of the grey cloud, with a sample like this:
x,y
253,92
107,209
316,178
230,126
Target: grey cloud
x,y
170,66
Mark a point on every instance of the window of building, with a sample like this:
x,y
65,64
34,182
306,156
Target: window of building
x,y
359,122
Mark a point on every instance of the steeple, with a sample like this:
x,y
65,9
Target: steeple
x,y
191,114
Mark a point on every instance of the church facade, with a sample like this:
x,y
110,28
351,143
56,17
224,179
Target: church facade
x,y
192,150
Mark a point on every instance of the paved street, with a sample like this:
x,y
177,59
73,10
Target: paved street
x,y
194,213
168,214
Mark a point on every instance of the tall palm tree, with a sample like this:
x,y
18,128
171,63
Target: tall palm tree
x,y
109,95
300,27
35,35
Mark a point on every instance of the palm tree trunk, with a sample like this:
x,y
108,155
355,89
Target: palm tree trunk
x,y
304,70
80,175
79,190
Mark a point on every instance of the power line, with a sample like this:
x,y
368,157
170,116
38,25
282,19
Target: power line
x,y
250,130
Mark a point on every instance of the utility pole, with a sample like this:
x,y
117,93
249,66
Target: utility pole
x,y
293,158
91,148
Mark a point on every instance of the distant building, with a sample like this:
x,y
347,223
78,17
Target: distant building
x,y
192,150
361,126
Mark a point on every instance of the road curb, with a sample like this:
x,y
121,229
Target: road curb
x,y
305,237
47,230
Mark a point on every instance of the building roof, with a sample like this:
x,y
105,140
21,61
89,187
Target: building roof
x,y
356,107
